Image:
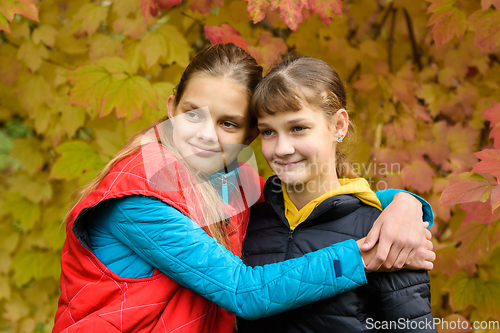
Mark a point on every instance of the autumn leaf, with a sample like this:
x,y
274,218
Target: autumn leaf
x,y
493,115
490,162
268,50
418,175
26,8
447,21
202,6
366,82
326,9
36,189
257,9
153,46
486,4
465,291
26,266
90,83
487,27
225,34
495,197
480,212
466,187
32,54
4,24
127,94
77,158
490,306
9,66
133,27
45,33
125,7
22,210
290,11
178,48
89,17
28,152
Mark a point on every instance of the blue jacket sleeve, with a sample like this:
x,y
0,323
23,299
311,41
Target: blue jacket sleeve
x,y
385,197
178,247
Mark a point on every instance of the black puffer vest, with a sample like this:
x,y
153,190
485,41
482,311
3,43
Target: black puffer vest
x,y
398,300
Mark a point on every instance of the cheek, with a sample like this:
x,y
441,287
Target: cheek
x,y
267,149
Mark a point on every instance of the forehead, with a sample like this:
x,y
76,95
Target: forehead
x,y
220,95
306,113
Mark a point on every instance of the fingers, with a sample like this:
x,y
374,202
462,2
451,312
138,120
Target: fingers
x,y
372,238
380,257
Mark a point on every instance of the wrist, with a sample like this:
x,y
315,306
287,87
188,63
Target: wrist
x,y
407,198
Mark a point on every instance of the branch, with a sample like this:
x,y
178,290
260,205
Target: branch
x,y
378,27
416,54
391,38
353,73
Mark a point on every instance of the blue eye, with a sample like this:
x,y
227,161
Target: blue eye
x,y
193,116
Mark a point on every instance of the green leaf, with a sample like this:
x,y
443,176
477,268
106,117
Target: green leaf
x,y
490,307
5,291
26,212
4,24
90,83
77,160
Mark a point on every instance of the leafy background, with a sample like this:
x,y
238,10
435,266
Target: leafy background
x,y
78,78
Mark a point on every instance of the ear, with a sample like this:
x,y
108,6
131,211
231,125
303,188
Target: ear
x,y
252,134
341,123
171,107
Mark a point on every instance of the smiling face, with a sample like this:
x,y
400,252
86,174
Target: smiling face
x,y
211,122
300,146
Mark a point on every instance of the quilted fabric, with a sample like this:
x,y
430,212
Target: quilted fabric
x,y
95,299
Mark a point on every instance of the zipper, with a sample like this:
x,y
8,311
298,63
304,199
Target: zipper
x,y
290,240
225,194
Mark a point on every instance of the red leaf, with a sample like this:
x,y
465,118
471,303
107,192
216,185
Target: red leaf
x,y
166,4
490,162
326,9
487,27
148,8
225,34
493,115
290,11
202,6
447,22
26,8
479,212
495,198
475,241
418,175
485,4
466,187
257,9
269,49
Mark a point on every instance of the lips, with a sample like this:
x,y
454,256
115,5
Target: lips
x,y
288,164
203,151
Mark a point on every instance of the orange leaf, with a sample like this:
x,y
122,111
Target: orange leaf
x,y
326,9
487,27
418,175
26,8
466,187
475,241
447,22
225,34
366,82
134,28
490,162
148,8
269,49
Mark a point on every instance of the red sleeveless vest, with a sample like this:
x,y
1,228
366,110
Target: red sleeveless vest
x,y
94,299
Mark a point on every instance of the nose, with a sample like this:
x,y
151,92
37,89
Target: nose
x,y
283,147
207,133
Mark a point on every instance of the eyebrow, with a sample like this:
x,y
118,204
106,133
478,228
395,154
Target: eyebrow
x,y
289,122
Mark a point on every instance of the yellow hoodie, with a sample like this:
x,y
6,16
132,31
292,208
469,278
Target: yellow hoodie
x,y
355,186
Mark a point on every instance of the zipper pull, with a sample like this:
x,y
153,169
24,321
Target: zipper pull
x,y
225,194
290,235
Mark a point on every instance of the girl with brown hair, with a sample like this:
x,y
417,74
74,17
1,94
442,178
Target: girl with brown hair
x,y
315,200
154,243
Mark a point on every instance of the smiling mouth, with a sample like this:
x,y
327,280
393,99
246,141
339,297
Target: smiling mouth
x,y
288,164
204,151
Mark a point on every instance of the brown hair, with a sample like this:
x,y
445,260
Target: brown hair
x,y
220,60
298,79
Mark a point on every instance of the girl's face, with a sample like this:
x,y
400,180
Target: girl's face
x,y
300,146
211,122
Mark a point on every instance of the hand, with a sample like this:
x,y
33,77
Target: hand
x,y
401,237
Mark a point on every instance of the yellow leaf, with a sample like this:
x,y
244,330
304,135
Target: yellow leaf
x,y
127,94
89,17
110,134
15,309
27,151
178,48
72,118
36,189
103,46
132,27
90,83
34,91
115,65
9,238
32,54
22,210
4,287
125,7
45,33
9,66
163,91
153,46
69,44
26,266
54,231
5,263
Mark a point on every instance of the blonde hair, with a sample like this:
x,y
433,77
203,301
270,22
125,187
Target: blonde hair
x,y
220,60
298,79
